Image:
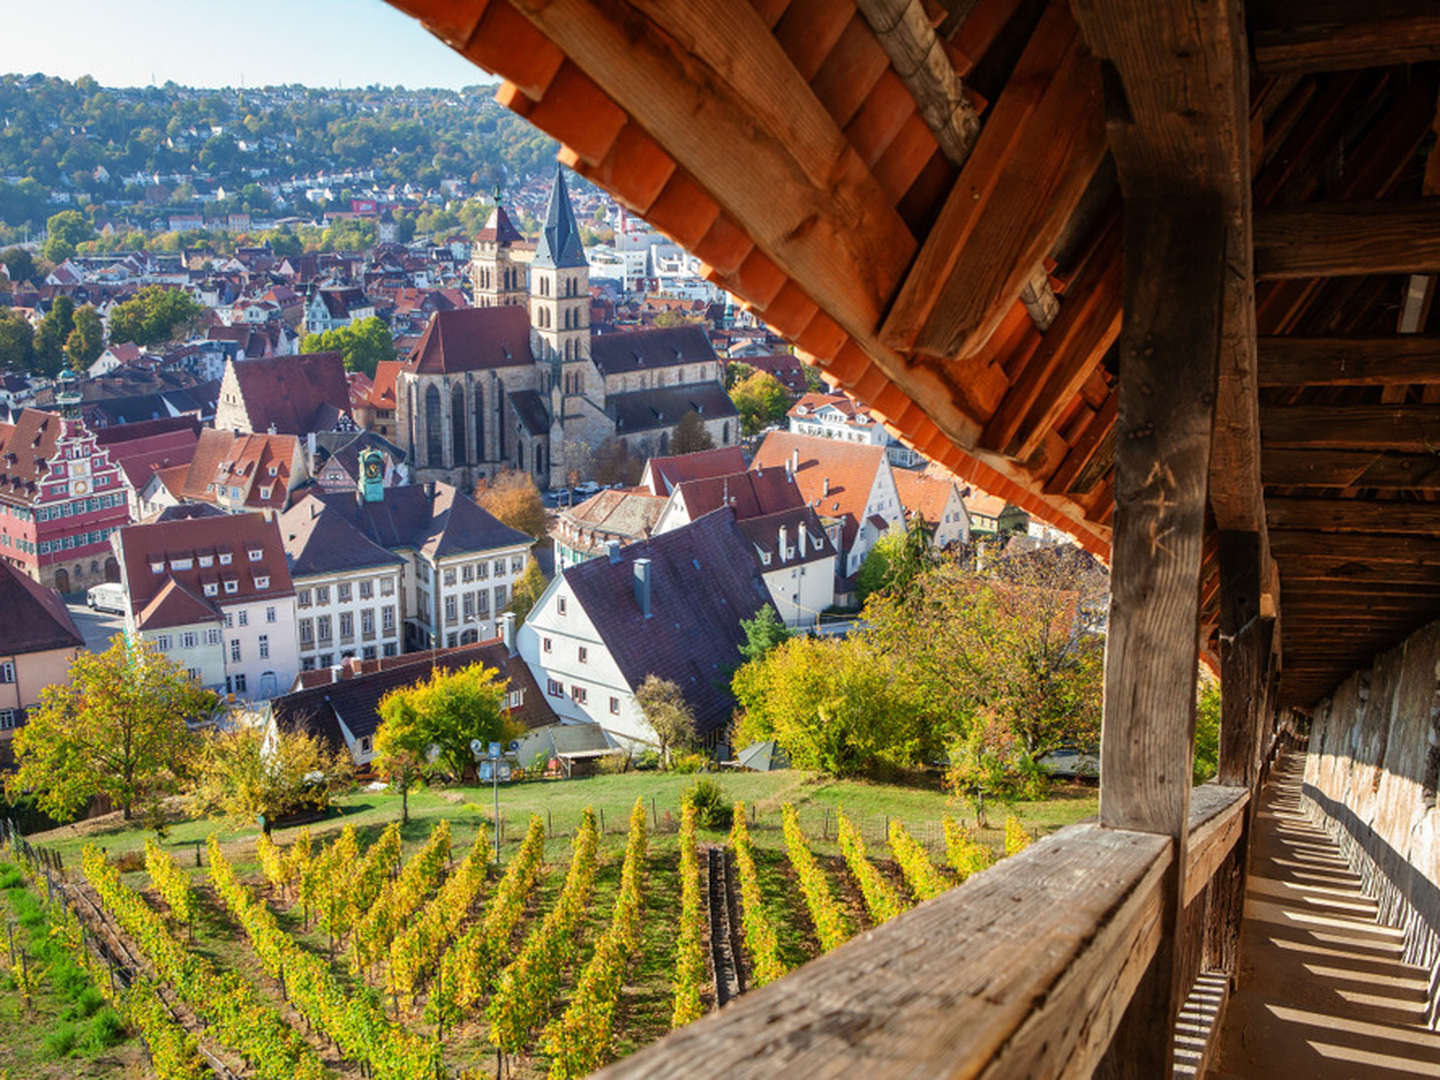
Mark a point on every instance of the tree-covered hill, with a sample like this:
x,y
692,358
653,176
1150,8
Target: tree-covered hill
x,y
86,140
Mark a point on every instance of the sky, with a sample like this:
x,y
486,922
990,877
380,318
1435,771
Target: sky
x,y
209,43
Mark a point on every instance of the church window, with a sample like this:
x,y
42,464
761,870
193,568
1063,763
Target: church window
x,y
479,425
434,431
457,423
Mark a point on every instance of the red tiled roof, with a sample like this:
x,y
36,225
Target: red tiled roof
x,y
382,390
923,493
750,494
666,472
223,458
36,619
473,339
849,468
25,455
290,392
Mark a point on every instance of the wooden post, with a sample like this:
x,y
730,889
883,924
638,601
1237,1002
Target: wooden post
x,y
1174,271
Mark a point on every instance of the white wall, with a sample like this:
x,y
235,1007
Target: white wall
x,y
196,648
309,610
246,623
801,592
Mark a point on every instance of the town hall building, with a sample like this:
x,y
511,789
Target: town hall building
x,y
519,382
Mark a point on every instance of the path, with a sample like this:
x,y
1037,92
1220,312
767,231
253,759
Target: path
x,y
1323,993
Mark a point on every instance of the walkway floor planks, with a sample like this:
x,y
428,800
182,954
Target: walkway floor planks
x,y
1323,994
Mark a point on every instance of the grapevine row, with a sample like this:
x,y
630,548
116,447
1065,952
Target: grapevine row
x,y
831,926
229,1003
416,947
527,986
171,882
925,881
966,854
357,1024
689,952
466,968
399,898
582,1040
324,876
881,899
761,941
282,867
1016,838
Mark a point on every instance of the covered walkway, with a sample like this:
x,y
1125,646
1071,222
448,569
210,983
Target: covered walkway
x,y
1323,993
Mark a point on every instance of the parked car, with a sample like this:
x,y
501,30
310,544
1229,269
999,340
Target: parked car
x,y
588,488
1071,763
107,597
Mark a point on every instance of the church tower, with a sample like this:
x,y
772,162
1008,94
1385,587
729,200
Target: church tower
x,y
560,297
496,276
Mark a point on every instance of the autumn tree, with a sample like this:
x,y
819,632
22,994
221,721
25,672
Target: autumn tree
x,y
761,400
897,558
737,371
448,711
402,743
613,463
117,728
87,339
691,435
763,632
153,315
527,590
241,774
513,498
17,342
63,233
668,714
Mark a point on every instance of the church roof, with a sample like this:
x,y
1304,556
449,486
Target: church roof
x,y
473,339
531,408
559,246
499,229
663,406
645,350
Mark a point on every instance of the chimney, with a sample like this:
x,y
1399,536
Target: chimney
x,y
642,586
825,486
784,545
507,632
430,489
310,447
794,465
335,673
802,534
612,549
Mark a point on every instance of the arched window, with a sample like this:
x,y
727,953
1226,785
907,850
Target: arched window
x,y
479,424
725,432
434,430
457,423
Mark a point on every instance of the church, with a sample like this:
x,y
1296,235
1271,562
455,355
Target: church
x,y
519,381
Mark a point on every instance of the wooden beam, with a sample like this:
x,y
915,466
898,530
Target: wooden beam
x,y
1354,515
1342,35
1343,239
1350,469
1169,349
1080,911
1243,657
1036,153
1300,543
1335,568
1406,428
920,59
1402,360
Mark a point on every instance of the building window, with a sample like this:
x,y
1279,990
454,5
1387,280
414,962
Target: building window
x,y
515,699
8,721
390,649
7,671
302,598
367,622
368,652
232,587
484,601
307,632
224,558
500,596
270,614
262,583
467,572
342,593
614,706
387,586
256,554
307,664
322,630
239,684
554,688
244,618
583,654
560,604
264,646
189,639
347,626
365,745
450,615
322,594
578,694
235,650
194,674
387,620
367,589
482,570
162,642
212,636
547,644
517,563
449,575
499,567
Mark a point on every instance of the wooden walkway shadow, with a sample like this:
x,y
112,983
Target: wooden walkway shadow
x,y
1323,993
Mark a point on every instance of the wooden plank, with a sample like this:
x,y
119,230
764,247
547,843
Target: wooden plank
x,y
1086,446
1174,293
1419,550
1350,469
1301,568
1412,428
1354,515
1025,970
1341,35
1037,150
1402,360
920,59
1340,239
1217,818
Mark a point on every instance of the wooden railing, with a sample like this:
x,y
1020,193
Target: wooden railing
x,y
1024,970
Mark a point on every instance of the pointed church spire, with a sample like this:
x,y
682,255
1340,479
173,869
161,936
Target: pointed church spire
x,y
559,246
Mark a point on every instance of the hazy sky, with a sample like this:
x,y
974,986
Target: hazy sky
x,y
208,43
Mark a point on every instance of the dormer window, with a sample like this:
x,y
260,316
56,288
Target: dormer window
x,y
157,566
181,564
224,558
231,587
274,470
256,554
207,560
265,492
262,582
211,588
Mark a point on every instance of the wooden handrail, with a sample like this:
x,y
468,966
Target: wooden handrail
x,y
1024,970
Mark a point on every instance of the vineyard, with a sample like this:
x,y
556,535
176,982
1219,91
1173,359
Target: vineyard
x,y
380,952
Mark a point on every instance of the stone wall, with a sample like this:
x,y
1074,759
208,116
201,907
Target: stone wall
x,y
1370,781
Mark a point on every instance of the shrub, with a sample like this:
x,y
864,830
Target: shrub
x,y
1016,838
689,763
61,1041
967,856
712,811
106,1030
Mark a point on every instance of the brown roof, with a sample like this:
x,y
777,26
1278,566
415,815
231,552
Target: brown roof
x,y
26,452
623,515
834,477
646,350
923,493
36,619
225,542
750,494
382,390
250,462
764,533
473,339
499,229
294,394
666,472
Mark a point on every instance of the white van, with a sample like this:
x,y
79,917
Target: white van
x,y
107,597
